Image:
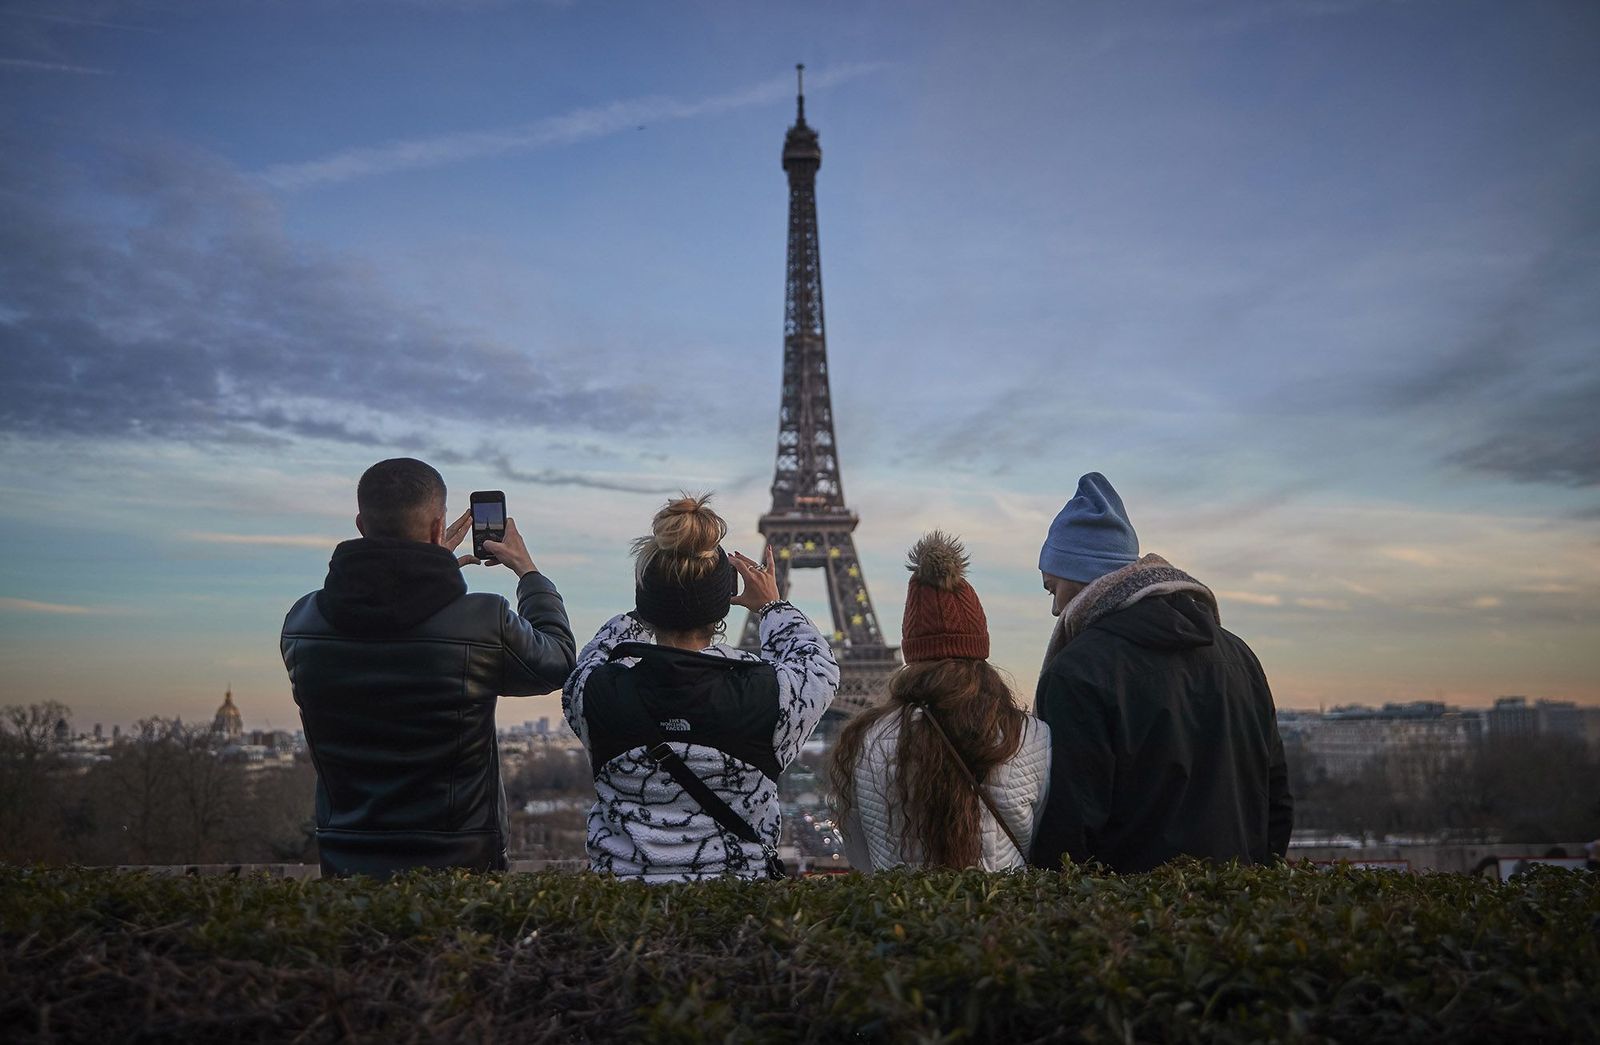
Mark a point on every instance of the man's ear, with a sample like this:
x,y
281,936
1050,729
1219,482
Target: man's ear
x,y
436,531
361,527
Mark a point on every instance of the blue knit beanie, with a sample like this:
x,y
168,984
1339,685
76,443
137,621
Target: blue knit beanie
x,y
1091,536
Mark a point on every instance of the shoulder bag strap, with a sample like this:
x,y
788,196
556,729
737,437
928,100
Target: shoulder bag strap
x,y
660,752
972,781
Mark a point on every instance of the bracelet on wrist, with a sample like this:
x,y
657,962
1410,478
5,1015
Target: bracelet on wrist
x,y
762,612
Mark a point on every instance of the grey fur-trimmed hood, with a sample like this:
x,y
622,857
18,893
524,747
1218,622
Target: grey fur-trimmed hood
x,y
1150,576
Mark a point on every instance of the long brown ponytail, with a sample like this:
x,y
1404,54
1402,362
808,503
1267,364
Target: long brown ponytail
x,y
942,817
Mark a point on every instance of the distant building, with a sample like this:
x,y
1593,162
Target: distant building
x,y
1294,724
273,739
1512,717
259,749
1560,718
228,724
1342,742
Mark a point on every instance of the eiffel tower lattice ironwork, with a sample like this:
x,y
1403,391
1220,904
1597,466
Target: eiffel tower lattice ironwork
x,y
809,526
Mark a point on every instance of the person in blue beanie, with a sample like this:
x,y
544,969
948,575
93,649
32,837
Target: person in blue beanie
x,y
1164,737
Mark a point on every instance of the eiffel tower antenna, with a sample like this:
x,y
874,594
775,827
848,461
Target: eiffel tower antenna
x,y
809,525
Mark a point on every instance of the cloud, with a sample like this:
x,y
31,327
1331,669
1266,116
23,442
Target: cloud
x,y
263,540
1484,602
173,305
1553,440
1517,393
30,65
1316,603
480,5
428,448
49,608
1251,598
1414,556
500,464
1469,342
1198,25
569,128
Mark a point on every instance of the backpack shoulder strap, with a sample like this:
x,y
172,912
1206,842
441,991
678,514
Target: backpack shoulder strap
x,y
972,781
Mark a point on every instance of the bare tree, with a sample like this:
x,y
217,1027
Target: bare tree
x,y
30,756
1521,789
207,796
166,796
279,816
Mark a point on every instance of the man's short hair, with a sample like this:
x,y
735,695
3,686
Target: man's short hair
x,y
400,498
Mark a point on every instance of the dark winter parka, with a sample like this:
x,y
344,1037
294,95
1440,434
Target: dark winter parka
x,y
1165,742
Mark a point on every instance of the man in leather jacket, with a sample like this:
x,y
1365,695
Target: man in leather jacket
x,y
396,669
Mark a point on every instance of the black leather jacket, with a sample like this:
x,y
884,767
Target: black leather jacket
x,y
396,669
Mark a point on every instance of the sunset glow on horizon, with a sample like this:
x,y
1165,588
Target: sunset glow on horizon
x,y
1316,285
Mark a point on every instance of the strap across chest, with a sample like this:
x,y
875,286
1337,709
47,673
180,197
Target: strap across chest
x,y
702,699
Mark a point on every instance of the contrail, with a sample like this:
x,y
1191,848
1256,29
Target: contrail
x,y
75,20
568,128
52,67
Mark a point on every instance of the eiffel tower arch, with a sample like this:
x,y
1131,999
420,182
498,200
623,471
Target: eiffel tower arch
x,y
809,525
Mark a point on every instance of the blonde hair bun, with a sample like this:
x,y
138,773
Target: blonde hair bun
x,y
684,535
687,527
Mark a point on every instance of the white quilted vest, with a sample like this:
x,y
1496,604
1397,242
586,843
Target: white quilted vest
x,y
1018,787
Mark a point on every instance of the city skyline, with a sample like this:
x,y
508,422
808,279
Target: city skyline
x,y
1315,284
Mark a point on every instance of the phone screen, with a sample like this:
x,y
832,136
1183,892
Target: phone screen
x,y
488,519
488,515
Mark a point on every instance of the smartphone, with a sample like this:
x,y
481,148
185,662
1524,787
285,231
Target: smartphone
x,y
488,519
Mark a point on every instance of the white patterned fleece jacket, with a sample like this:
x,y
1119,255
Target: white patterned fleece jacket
x,y
734,729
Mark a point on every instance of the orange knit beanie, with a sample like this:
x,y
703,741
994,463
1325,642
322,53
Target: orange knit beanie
x,y
943,615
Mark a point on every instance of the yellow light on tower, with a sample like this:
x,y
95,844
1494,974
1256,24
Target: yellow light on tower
x,y
834,553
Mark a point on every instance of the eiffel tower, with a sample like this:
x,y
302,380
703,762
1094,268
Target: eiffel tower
x,y
809,526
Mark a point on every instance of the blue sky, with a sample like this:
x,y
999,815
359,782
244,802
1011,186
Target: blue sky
x,y
1316,284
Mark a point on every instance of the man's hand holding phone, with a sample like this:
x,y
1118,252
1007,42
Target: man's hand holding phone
x,y
511,552
454,534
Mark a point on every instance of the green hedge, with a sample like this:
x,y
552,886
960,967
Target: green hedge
x,y
1191,952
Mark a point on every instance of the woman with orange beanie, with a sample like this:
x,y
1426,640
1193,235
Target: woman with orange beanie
x,y
949,771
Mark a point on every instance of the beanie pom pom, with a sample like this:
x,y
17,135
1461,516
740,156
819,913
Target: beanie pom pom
x,y
938,560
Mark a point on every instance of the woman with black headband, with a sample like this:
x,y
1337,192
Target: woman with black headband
x,y
687,735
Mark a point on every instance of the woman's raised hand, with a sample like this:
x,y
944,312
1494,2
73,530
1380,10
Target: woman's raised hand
x,y
760,580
